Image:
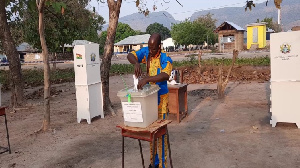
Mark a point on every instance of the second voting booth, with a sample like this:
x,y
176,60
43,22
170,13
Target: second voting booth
x,y
285,77
88,82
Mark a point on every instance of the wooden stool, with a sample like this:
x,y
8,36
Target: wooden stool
x,y
178,101
6,149
150,134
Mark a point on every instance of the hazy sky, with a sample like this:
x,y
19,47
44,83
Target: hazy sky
x,y
178,12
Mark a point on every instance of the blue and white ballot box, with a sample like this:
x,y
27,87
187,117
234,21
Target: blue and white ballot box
x,y
285,77
88,82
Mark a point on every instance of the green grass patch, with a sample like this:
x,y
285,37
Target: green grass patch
x,y
124,68
193,60
35,77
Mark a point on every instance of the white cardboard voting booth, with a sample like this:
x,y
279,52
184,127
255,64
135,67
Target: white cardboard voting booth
x,y
285,77
87,64
88,82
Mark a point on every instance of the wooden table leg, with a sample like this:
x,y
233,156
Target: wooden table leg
x,y
122,151
153,150
169,147
7,135
185,103
178,107
141,150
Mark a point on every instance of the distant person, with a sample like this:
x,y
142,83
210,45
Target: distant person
x,y
159,67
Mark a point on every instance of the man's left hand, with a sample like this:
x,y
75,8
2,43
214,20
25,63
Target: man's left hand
x,y
142,83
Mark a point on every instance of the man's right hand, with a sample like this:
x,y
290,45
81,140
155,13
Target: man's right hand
x,y
137,70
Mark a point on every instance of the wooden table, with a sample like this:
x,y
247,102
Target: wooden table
x,y
178,100
150,134
5,149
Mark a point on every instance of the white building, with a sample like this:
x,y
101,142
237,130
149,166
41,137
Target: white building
x,y
169,42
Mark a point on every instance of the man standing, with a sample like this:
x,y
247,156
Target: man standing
x,y
159,67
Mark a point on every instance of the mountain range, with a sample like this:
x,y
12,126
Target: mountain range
x,y
290,16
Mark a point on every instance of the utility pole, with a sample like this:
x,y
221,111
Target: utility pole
x,y
279,16
279,19
207,41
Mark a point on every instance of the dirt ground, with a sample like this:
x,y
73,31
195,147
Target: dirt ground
x,y
230,133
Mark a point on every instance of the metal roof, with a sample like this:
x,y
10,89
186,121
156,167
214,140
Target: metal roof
x,y
78,42
256,24
25,47
235,26
138,39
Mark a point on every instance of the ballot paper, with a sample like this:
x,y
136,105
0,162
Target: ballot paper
x,y
132,111
135,82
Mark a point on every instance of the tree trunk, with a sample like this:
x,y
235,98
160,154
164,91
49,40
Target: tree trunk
x,y
46,120
221,86
16,81
114,11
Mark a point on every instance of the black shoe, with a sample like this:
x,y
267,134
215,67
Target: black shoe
x,y
150,166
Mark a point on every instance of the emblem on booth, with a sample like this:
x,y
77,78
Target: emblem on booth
x,y
285,48
93,57
78,56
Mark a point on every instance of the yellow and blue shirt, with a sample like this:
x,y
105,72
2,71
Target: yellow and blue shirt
x,y
159,64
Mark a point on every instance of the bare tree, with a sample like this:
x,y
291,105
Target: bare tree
x,y
8,44
221,86
46,121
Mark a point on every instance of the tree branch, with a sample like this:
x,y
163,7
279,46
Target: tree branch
x,y
37,3
52,13
179,3
235,55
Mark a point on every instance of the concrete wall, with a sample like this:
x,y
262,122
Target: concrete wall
x,y
296,28
33,57
237,44
239,40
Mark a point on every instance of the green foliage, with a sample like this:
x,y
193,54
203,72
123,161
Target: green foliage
x,y
56,5
35,77
208,21
138,32
186,33
196,32
271,24
4,79
160,29
124,68
102,40
123,31
74,23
